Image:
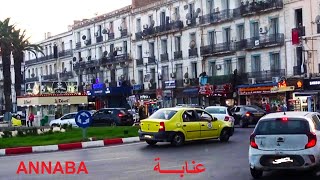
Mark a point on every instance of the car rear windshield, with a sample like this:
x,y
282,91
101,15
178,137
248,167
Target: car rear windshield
x,y
279,126
216,110
163,114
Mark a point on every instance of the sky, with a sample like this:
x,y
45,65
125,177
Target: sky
x,y
40,16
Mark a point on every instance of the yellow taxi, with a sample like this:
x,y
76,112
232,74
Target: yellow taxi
x,y
177,125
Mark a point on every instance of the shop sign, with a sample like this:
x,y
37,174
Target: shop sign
x,y
137,87
312,84
170,84
223,89
27,101
206,90
255,90
61,101
142,97
282,89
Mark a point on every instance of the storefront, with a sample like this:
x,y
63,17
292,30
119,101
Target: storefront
x,y
188,96
217,95
168,96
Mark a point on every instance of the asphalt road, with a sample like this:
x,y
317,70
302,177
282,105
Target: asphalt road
x,y
223,161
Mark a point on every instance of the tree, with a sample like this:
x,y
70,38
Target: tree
x,y
20,45
6,46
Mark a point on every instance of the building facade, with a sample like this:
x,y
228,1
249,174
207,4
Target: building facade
x,y
203,52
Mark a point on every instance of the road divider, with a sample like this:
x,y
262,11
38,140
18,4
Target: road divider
x,y
69,146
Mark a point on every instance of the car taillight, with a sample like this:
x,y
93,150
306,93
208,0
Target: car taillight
x,y
120,115
248,114
253,143
312,140
162,127
227,118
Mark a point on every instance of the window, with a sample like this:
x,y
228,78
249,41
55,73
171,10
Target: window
x,y
62,46
211,36
139,52
165,73
179,71
100,52
226,4
125,47
241,65
213,69
112,49
150,19
164,46
99,30
255,30
138,25
240,32
189,116
78,37
256,64
227,35
274,26
210,6
55,68
277,126
177,12
227,67
88,34
298,17
193,38
275,61
140,76
70,44
62,66
29,56
178,43
111,26
194,70
163,114
151,49
204,116
153,74
41,71
162,18
50,69
191,10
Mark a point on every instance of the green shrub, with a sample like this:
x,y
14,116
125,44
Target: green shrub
x,y
20,133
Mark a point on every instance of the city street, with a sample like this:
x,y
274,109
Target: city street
x,y
136,161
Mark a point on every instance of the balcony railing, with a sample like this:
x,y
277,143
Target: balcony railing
x,y
33,79
249,8
222,48
193,52
264,76
78,66
50,77
78,45
162,29
219,17
164,57
66,75
151,60
110,36
139,62
265,41
138,36
177,55
191,22
217,80
99,39
65,53
114,59
39,60
92,64
124,33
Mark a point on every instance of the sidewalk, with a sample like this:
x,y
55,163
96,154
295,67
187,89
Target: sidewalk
x,y
69,146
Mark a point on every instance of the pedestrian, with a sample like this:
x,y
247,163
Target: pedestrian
x,y
268,109
31,119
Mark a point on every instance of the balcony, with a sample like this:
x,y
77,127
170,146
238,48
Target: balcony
x,y
65,53
177,55
33,79
194,82
78,66
162,29
66,75
164,57
193,52
266,76
265,41
258,7
138,36
191,22
215,49
218,80
219,17
241,44
113,59
124,33
87,42
301,30
99,39
78,45
50,77
151,60
92,64
39,60
110,36
139,62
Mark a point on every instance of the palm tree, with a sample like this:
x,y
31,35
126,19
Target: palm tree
x,y
20,45
6,46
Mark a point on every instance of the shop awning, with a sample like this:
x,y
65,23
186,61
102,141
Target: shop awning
x,y
257,85
306,93
191,91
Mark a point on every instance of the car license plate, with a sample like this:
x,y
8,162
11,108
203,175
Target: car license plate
x,y
148,136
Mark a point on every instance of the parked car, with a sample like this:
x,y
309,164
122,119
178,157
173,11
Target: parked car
x,y
112,117
247,115
177,125
222,113
285,141
65,119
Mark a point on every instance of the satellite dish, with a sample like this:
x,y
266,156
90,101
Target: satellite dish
x,y
198,11
84,37
104,31
188,16
192,44
74,59
317,20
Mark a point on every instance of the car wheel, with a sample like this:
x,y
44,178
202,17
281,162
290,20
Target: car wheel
x,y
242,124
224,136
178,139
54,125
151,142
256,174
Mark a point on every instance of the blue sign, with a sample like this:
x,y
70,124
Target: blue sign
x,y
83,119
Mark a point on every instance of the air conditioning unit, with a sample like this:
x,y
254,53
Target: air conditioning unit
x,y
189,22
145,26
257,42
173,75
275,79
252,80
119,48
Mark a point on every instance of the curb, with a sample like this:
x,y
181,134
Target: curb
x,y
69,146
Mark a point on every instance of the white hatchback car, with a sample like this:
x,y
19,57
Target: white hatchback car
x,y
221,113
285,141
65,119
